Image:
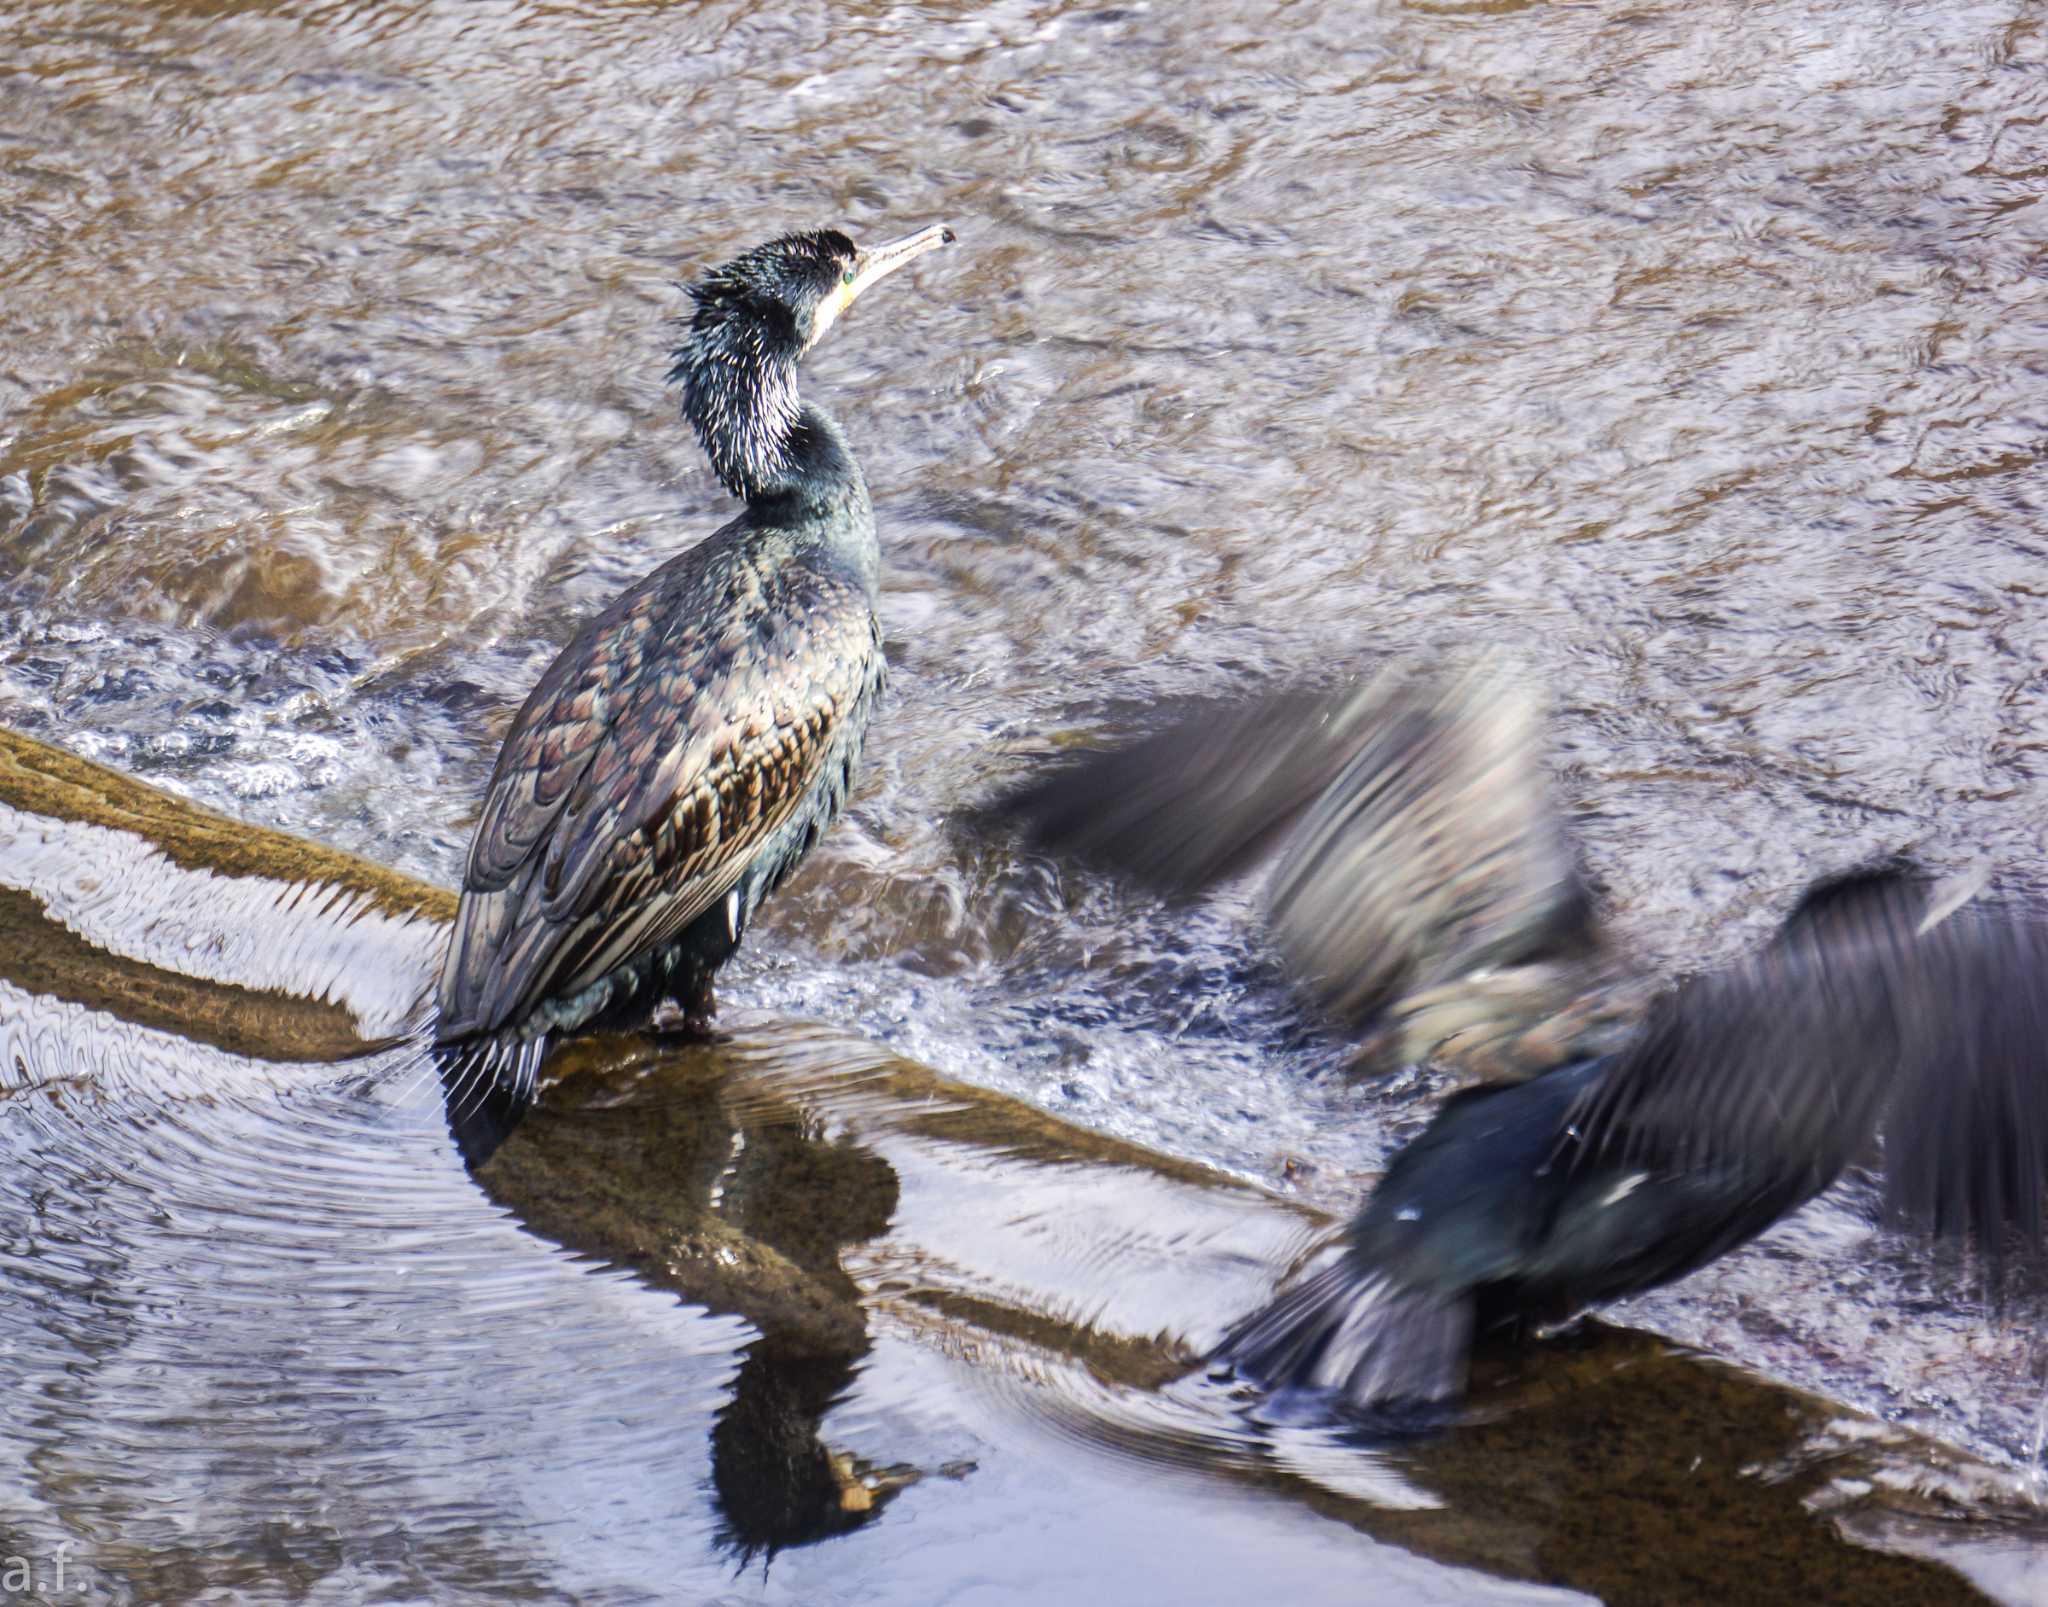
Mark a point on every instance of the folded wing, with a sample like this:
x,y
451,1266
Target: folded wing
x,y
649,766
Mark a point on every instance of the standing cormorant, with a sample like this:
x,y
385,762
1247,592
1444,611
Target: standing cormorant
x,y
695,739
1605,1141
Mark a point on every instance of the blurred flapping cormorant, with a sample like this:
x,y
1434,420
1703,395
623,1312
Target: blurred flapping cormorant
x,y
1606,1140
693,740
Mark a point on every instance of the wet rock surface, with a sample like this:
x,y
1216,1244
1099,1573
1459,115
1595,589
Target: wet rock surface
x,y
786,1302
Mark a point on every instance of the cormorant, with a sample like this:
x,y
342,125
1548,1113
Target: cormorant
x,y
695,739
1607,1141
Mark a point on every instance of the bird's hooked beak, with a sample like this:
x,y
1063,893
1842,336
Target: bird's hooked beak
x,y
873,265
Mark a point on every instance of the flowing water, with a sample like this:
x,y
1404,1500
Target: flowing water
x,y
1691,352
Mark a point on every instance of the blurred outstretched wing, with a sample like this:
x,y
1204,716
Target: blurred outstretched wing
x,y
1415,838
1203,798
1873,1007
1966,1134
1434,854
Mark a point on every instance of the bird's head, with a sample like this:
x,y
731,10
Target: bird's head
x,y
755,318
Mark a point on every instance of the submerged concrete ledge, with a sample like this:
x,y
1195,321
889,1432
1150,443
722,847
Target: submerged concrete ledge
x,y
833,1193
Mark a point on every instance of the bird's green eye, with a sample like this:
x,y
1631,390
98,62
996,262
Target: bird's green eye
x,y
847,278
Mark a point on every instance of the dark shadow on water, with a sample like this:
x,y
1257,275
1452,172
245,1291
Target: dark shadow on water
x,y
1599,1460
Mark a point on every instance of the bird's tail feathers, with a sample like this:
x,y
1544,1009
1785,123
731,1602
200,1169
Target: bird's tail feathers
x,y
487,1084
1351,1331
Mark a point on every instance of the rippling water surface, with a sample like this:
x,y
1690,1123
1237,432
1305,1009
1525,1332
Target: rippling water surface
x,y
1692,352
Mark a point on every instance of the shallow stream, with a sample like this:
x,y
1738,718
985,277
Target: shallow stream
x,y
1693,353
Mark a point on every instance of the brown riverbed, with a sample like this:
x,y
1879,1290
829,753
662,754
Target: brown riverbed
x,y
1690,352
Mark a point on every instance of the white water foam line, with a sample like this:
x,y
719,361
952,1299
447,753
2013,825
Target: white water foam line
x,y
312,940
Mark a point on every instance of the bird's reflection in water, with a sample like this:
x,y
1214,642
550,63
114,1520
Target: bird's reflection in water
x,y
739,1203
777,1483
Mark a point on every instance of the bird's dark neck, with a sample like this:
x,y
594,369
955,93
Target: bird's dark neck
x,y
784,456
818,495
738,371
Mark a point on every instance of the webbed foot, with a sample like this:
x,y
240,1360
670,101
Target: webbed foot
x,y
687,1017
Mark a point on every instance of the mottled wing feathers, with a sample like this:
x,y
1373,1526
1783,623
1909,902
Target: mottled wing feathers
x,y
559,731
669,741
1415,835
1869,1009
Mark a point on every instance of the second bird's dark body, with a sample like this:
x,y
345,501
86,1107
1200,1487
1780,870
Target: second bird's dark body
x,y
1499,1214
1426,894
1742,1095
692,742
